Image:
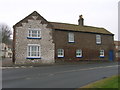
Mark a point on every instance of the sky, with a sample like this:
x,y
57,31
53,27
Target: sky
x,y
97,13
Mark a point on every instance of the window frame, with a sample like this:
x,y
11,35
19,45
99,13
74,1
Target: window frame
x,y
60,53
31,33
71,37
116,54
79,53
116,46
36,52
103,53
98,39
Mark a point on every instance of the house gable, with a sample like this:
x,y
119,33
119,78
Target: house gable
x,y
33,32
33,16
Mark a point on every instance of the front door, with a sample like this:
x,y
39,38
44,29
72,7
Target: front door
x,y
111,55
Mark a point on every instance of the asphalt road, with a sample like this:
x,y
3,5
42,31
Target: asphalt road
x,y
57,76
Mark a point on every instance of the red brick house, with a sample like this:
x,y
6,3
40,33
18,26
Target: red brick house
x,y
37,40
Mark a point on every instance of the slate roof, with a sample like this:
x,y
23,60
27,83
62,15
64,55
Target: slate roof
x,y
74,27
64,26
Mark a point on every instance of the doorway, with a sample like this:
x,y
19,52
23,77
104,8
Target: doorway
x,y
111,55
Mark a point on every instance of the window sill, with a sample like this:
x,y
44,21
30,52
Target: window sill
x,y
71,42
98,43
33,57
34,38
60,56
78,56
102,56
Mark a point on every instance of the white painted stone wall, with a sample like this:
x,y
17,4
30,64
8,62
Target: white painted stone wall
x,y
46,43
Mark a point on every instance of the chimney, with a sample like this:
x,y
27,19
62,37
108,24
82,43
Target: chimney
x,y
81,20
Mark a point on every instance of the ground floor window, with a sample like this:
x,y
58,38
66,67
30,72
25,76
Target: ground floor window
x,y
60,52
101,53
78,53
33,51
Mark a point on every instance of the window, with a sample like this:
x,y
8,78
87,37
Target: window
x,y
70,37
101,53
34,33
60,53
117,54
33,51
116,47
98,39
78,53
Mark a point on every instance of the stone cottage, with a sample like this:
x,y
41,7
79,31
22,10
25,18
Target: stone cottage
x,y
39,41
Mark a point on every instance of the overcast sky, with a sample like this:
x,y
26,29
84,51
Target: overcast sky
x,y
98,13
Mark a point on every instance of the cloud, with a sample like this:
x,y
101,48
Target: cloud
x,y
100,13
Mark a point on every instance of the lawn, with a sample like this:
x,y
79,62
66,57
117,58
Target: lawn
x,y
111,82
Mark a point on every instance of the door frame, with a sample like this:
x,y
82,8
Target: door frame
x,y
111,55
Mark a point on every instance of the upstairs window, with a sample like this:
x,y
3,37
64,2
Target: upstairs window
x,y
78,53
98,39
71,37
33,51
60,52
34,33
101,53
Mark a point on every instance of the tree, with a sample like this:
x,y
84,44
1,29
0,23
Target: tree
x,y
6,33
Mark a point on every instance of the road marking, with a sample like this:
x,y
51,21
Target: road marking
x,y
5,67
28,78
16,67
84,69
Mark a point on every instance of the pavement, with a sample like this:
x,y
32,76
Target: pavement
x,y
7,62
57,76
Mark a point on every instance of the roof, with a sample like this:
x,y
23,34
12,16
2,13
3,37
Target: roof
x,y
63,26
35,13
74,27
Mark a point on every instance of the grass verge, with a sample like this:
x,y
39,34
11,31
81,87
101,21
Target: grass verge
x,y
111,82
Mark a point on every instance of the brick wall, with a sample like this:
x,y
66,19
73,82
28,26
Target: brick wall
x,y
84,41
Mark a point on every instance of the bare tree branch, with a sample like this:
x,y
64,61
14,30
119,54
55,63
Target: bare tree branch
x,y
6,33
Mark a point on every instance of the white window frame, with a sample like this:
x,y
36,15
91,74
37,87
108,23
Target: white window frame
x,y
78,53
98,39
31,33
60,53
29,52
102,53
117,54
116,46
71,37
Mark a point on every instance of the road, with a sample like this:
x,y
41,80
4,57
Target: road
x,y
57,76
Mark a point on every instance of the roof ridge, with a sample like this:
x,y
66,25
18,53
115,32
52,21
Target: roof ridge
x,y
76,25
63,23
63,26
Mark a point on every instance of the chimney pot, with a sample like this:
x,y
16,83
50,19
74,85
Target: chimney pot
x,y
81,20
